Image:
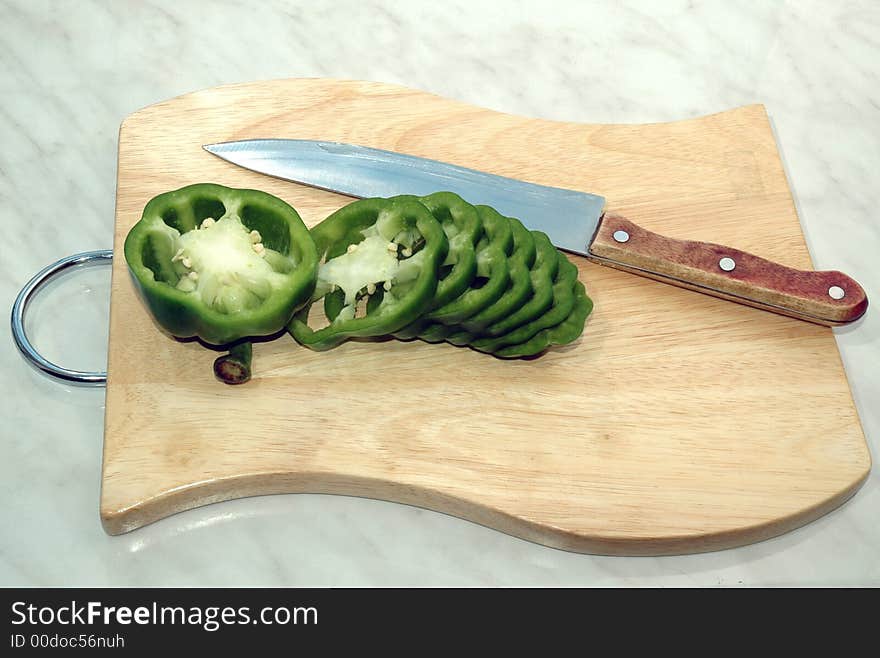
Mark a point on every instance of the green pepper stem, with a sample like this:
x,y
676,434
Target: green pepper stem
x,y
235,367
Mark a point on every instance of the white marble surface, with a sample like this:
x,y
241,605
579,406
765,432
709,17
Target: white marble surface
x,y
71,71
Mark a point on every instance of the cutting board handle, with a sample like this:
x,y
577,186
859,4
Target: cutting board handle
x,y
828,298
24,297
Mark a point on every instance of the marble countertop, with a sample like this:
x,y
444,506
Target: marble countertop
x,y
72,71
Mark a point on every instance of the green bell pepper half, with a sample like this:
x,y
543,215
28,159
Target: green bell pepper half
x,y
221,264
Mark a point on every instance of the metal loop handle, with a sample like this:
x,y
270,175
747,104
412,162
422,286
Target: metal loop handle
x,y
20,306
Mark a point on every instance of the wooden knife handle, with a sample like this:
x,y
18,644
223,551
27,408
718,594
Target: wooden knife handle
x,y
828,298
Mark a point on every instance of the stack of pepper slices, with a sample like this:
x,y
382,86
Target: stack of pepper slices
x,y
227,265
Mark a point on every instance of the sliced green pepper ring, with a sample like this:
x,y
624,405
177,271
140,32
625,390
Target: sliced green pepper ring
x,y
563,303
565,332
221,264
463,228
493,272
459,338
436,333
520,287
380,259
542,275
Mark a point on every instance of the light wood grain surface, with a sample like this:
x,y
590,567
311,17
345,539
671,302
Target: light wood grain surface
x,y
677,423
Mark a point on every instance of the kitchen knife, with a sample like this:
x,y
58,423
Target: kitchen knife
x,y
575,221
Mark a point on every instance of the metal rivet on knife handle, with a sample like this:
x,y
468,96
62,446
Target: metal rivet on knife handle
x,y
727,264
836,292
620,236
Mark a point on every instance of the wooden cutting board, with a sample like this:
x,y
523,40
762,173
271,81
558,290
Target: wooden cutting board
x,y
677,423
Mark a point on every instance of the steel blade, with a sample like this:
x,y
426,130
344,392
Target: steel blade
x,y
568,217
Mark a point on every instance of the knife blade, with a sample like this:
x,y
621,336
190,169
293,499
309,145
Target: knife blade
x,y
575,221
